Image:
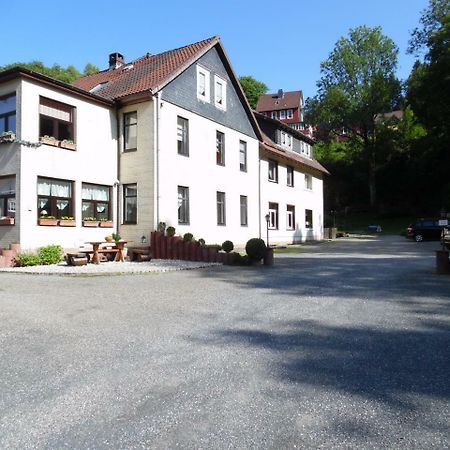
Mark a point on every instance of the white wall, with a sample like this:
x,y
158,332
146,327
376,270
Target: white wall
x,y
204,178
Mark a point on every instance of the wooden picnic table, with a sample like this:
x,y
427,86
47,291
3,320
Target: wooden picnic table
x,y
119,247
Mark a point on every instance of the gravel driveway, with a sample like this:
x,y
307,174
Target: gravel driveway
x,y
344,346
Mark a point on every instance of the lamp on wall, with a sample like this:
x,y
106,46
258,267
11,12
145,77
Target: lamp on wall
x,y
267,217
143,240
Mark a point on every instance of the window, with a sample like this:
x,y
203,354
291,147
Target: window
x,y
290,113
8,196
308,182
54,198
8,113
220,92
243,156
273,216
183,205
282,114
96,201
273,171
203,84
290,176
221,208
56,120
130,131
308,218
290,217
130,203
273,114
183,136
220,148
244,211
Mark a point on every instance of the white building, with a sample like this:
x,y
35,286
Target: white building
x,y
166,138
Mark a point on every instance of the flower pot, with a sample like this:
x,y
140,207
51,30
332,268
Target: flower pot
x,y
106,224
67,223
8,258
7,137
15,248
90,223
7,221
68,145
48,222
49,141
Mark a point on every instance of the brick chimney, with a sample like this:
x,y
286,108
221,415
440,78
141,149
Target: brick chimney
x,y
280,93
115,61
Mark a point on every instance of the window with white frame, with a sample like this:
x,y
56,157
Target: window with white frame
x,y
282,114
220,148
308,218
290,113
273,171
290,217
273,216
220,92
8,196
203,81
221,212
273,114
308,182
243,156
244,210
183,136
290,176
183,205
54,197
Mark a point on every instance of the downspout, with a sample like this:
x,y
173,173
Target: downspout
x,y
259,189
157,118
117,181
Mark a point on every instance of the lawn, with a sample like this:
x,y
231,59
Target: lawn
x,y
358,223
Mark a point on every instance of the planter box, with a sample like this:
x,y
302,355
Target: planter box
x,y
8,221
48,141
106,224
90,223
7,138
48,222
67,223
68,145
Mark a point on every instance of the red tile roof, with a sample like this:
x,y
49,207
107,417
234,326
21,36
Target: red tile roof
x,y
271,102
148,73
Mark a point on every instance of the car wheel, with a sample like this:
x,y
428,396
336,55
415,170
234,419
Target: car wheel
x,y
418,238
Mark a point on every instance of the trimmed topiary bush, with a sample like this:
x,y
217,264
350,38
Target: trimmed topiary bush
x,y
227,246
240,260
188,237
170,231
50,254
256,249
201,241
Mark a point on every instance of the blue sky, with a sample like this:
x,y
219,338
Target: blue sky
x,y
280,43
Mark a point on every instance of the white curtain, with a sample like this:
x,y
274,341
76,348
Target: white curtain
x,y
54,188
93,192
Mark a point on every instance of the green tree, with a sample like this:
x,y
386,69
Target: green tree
x,y
90,69
357,84
253,89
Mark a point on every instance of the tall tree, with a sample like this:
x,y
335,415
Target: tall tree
x,y
253,89
358,83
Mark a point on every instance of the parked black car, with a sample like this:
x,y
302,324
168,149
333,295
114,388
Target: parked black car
x,y
446,237
425,229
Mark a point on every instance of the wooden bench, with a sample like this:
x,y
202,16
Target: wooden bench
x,y
76,259
105,254
140,254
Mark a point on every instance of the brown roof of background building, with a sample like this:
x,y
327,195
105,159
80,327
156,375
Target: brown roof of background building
x,y
272,102
148,73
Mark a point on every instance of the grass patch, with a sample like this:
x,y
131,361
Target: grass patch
x,y
358,223
290,249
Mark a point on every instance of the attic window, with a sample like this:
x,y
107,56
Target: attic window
x,y
98,87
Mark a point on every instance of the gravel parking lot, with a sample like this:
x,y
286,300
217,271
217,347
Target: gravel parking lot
x,y
343,346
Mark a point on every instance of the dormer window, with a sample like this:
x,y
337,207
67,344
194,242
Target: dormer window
x,y
203,87
290,113
282,114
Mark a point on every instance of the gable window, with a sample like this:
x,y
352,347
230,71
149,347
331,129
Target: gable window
x,y
308,218
54,197
290,217
273,114
308,182
290,113
203,84
273,216
220,92
220,148
221,208
183,136
95,201
8,196
56,120
244,210
243,156
273,171
8,113
183,205
290,176
282,114
130,203
130,131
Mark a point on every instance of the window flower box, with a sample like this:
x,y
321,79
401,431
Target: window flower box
x,y
49,221
49,140
7,220
67,144
106,223
7,136
90,222
67,222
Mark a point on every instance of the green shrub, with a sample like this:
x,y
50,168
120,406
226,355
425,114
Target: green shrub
x,y
170,231
116,236
27,259
50,254
201,241
256,249
227,246
218,247
240,260
162,227
188,237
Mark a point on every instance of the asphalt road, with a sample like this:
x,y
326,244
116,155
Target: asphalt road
x,y
345,346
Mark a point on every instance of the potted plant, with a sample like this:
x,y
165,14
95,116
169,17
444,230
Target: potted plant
x,y
7,136
48,221
7,220
67,221
91,222
116,237
108,238
106,223
49,140
68,144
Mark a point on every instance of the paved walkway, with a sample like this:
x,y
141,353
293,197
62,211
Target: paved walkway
x,y
345,346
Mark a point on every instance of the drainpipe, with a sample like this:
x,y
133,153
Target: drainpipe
x,y
117,182
259,190
157,118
